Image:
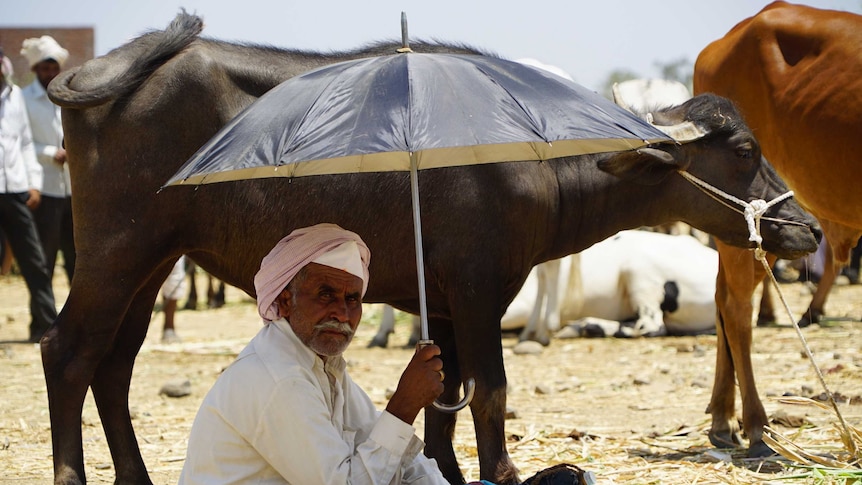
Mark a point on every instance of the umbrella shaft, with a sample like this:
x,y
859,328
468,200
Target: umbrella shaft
x,y
420,259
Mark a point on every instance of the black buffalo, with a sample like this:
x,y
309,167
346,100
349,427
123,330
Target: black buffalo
x,y
133,117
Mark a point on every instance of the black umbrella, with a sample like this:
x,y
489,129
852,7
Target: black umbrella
x,y
408,112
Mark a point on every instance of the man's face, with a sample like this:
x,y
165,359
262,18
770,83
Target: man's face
x,y
46,71
323,306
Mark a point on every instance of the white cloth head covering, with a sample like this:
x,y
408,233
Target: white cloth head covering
x,y
326,244
38,49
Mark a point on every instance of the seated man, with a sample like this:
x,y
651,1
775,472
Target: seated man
x,y
286,411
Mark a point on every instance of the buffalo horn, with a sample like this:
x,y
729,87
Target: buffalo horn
x,y
681,132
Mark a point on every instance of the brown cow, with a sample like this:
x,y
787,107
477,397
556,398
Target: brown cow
x,y
132,118
795,73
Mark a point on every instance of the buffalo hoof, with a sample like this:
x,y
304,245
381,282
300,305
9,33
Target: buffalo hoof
x,y
766,320
378,342
811,316
725,439
545,341
191,305
760,450
852,275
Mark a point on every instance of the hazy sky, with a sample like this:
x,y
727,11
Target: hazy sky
x,y
589,39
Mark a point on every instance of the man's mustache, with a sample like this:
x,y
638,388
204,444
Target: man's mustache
x,y
334,325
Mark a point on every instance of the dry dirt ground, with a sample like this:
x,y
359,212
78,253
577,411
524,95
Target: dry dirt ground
x,y
635,407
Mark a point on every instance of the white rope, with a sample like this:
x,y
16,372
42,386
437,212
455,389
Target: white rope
x,y
753,212
850,441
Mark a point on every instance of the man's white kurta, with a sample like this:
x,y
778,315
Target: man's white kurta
x,y
19,170
47,129
281,414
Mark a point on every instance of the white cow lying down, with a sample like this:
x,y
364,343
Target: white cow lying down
x,y
636,283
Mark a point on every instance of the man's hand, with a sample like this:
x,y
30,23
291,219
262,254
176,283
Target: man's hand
x,y
34,199
60,156
420,384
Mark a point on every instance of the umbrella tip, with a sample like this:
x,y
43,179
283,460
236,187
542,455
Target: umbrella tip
x,y
405,43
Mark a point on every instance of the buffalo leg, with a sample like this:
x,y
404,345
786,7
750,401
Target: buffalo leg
x,y
73,350
738,276
480,356
482,359
440,427
68,372
111,388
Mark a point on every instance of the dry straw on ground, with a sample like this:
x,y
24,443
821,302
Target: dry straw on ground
x,y
631,411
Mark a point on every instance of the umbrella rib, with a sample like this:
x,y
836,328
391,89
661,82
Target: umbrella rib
x,y
535,125
533,122
491,79
336,80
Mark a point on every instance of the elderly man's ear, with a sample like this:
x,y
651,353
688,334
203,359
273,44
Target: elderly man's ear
x,y
285,303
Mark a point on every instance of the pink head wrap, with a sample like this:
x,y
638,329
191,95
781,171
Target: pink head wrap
x,y
293,253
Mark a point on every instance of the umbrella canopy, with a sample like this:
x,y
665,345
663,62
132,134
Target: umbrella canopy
x,y
411,111
370,115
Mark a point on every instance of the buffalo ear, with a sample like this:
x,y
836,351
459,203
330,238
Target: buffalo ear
x,y
646,166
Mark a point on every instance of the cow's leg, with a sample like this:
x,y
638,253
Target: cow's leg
x,y
215,298
532,331
387,326
852,271
192,302
548,322
415,332
551,317
724,432
738,276
219,295
545,317
766,313
831,270
647,299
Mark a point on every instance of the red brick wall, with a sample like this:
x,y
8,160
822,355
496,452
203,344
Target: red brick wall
x,y
78,41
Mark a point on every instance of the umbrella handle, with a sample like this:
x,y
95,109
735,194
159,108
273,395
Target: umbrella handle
x,y
469,390
470,386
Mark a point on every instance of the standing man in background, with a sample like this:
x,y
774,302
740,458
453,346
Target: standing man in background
x,y
20,187
54,214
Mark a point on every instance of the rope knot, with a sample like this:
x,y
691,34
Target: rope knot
x,y
754,210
